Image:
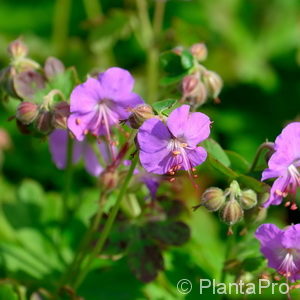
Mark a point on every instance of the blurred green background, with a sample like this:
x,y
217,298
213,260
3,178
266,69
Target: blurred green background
x,y
254,46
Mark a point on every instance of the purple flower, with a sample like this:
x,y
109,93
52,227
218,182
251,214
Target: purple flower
x,y
58,141
281,248
166,148
99,103
284,164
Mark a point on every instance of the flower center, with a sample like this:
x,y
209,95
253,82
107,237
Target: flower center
x,y
293,181
179,158
288,268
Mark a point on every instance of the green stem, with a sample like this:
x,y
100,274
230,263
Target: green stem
x,y
93,8
150,36
230,242
107,227
61,25
84,246
266,145
69,176
80,253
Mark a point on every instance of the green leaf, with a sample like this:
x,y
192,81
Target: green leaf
x,y
171,63
164,105
187,59
221,168
168,80
253,183
7,292
237,162
251,264
216,151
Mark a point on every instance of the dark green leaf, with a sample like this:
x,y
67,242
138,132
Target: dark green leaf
x,y
145,259
251,264
170,233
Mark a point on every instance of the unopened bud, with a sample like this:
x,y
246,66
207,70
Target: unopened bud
x,y
194,91
140,114
61,112
231,212
27,112
213,198
213,83
53,67
109,178
17,49
27,83
44,122
248,199
189,84
199,51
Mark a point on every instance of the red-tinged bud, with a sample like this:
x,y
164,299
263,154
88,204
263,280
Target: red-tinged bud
x,y
231,212
53,67
43,122
199,51
17,49
27,112
189,84
213,83
61,112
194,91
213,198
139,115
27,83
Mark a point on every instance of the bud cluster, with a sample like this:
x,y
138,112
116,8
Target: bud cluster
x,y
201,84
25,79
231,203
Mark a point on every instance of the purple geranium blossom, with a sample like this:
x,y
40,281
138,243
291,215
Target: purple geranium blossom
x,y
99,103
281,248
58,142
284,165
166,148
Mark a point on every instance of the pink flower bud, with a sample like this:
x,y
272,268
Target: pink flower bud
x,y
139,114
194,91
61,112
53,67
27,112
17,49
44,122
213,83
199,51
